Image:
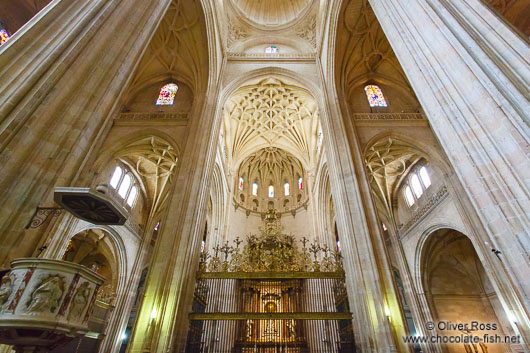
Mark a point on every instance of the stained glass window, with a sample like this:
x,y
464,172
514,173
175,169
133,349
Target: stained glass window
x,y
424,175
300,184
271,191
255,189
167,94
116,176
240,183
286,189
375,96
272,50
4,35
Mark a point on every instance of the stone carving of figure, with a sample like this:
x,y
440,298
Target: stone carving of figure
x,y
79,302
5,289
46,297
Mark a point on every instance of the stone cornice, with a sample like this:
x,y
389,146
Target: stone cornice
x,y
153,116
271,57
179,118
387,116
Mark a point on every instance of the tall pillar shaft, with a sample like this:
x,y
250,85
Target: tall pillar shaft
x,y
60,79
471,74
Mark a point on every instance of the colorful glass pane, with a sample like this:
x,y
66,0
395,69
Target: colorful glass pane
x,y
4,36
272,50
300,184
375,96
240,183
167,94
271,191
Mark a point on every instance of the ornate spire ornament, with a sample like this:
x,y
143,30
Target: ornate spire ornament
x,y
271,251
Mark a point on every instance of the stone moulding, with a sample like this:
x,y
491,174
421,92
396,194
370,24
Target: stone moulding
x,y
433,201
260,56
387,116
152,116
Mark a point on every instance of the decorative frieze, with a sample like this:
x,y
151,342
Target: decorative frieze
x,y
388,116
432,202
153,116
261,56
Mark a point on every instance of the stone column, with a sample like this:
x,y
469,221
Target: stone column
x,y
420,313
471,74
163,323
360,235
61,77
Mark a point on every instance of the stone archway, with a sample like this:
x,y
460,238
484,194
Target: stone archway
x,y
458,291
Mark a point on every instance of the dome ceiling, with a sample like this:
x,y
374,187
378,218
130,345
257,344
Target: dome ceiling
x,y
271,13
271,165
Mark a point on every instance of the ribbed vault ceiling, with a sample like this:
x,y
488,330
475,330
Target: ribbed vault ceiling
x,y
271,113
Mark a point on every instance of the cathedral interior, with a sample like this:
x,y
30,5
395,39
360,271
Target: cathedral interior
x,y
272,176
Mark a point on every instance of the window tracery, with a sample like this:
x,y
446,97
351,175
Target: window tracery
x,y
123,182
417,182
167,94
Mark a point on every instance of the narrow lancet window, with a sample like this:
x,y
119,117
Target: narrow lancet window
x,y
240,183
271,191
286,189
124,187
116,176
132,196
375,96
416,185
167,94
255,189
300,184
425,178
408,196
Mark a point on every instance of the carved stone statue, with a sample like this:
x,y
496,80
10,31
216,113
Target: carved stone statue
x,y
5,289
45,298
79,301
